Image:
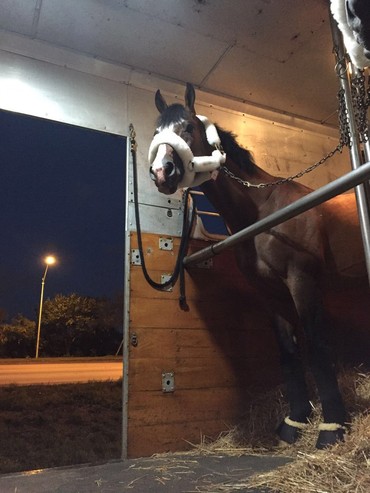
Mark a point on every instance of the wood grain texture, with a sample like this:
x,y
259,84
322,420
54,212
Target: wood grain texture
x,y
221,351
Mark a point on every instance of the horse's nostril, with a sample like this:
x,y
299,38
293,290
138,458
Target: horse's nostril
x,y
151,173
169,168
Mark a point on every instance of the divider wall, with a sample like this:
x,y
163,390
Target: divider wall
x,y
216,355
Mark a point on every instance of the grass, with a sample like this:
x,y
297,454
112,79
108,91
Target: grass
x,y
45,426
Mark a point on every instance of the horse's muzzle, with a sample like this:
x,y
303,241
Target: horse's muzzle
x,y
165,177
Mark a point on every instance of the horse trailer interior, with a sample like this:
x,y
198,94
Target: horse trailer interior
x,y
263,69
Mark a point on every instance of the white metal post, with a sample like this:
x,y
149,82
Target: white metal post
x,y
40,311
355,150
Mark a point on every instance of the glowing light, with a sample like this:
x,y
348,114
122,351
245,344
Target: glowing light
x,y
50,260
26,97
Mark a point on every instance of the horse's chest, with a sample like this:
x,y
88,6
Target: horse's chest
x,y
258,260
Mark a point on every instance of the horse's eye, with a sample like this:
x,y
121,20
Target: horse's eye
x,y
189,128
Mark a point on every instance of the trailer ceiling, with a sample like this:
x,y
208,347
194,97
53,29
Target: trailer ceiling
x,y
273,53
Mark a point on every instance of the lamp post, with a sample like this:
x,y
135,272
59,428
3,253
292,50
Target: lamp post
x,y
49,260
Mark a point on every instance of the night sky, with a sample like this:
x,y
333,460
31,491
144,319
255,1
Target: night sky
x,y
62,192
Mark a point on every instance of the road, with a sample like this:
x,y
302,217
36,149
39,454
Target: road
x,y
64,372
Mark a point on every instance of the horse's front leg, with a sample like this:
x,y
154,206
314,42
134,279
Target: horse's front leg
x,y
307,297
291,427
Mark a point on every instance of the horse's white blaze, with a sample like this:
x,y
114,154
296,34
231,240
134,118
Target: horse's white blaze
x,y
161,157
175,141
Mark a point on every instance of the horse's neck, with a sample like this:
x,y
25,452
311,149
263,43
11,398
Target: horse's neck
x,y
239,205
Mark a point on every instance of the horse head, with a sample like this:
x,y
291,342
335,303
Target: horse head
x,y
185,149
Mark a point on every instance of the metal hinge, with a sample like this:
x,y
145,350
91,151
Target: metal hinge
x,y
168,382
135,257
165,243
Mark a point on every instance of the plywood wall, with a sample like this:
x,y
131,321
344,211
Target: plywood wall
x,y
221,352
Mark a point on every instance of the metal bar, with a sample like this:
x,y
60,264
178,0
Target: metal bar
x,y
364,134
338,186
208,213
126,306
367,150
355,152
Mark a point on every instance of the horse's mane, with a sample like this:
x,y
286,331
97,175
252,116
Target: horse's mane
x,y
238,154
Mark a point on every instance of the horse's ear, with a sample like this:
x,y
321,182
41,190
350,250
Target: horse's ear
x,y
160,102
190,97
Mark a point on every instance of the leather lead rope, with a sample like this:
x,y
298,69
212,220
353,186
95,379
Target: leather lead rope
x,y
185,234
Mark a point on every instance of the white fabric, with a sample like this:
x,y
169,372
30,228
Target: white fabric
x,y
354,49
175,141
197,169
211,131
330,427
209,163
295,424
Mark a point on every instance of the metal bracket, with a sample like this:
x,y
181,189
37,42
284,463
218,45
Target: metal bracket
x,y
168,382
135,257
134,339
165,278
165,243
206,264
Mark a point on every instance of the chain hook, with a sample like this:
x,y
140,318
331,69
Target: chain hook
x,y
133,144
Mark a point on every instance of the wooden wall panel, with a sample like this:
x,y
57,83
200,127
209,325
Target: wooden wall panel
x,y
146,440
185,406
195,343
221,351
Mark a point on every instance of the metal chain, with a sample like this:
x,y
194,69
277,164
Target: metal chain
x,y
360,94
248,184
360,105
133,144
343,119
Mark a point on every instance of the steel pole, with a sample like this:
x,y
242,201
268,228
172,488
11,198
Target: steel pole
x,y
364,134
366,143
336,187
355,152
367,150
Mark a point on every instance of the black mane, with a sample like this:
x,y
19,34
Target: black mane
x,y
238,154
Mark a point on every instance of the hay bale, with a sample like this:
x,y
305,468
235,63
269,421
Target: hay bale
x,y
255,433
343,468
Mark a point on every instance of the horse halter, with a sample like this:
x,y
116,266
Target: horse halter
x,y
197,169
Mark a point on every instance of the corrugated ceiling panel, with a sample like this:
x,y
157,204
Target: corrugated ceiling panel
x,y
18,16
270,52
264,27
304,85
127,37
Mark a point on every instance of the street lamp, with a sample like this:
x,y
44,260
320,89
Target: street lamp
x,y
49,260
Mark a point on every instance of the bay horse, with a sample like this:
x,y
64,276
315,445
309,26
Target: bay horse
x,y
287,263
